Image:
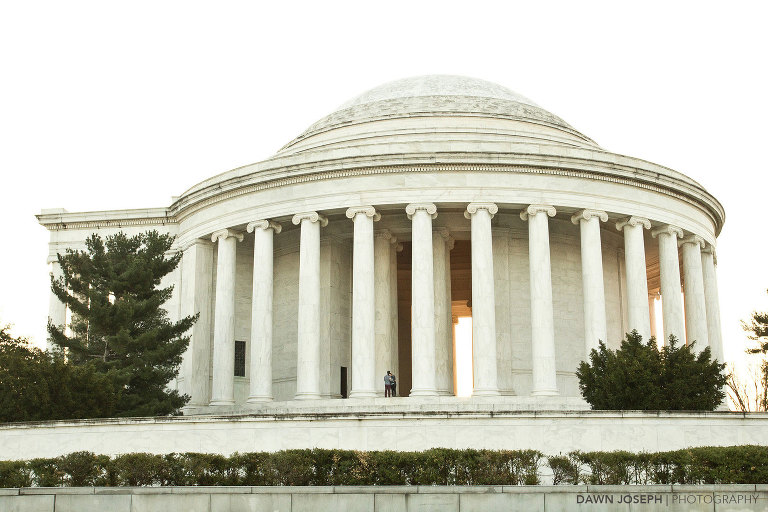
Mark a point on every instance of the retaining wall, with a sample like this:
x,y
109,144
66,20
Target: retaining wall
x,y
385,499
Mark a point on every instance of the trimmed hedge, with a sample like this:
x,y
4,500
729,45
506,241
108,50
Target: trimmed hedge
x,y
291,467
439,466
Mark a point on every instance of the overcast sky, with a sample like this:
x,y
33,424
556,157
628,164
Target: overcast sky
x,y
109,105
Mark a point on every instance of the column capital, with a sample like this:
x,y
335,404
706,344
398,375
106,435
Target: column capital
x,y
399,247
430,208
710,249
385,234
534,209
667,229
692,239
368,211
265,225
226,233
588,214
633,221
445,234
472,209
311,217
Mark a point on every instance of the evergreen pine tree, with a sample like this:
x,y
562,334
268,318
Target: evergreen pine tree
x,y
639,376
118,323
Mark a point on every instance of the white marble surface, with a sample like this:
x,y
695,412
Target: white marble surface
x,y
308,344
671,301
363,304
442,242
595,323
261,310
543,352
484,352
222,390
637,278
712,297
393,424
695,305
422,300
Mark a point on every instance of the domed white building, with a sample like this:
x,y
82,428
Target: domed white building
x,y
356,247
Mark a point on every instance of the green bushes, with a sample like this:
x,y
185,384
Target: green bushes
x,y
704,465
439,466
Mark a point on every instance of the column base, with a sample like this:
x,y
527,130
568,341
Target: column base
x,y
486,392
423,392
307,396
545,392
362,394
221,402
443,392
259,399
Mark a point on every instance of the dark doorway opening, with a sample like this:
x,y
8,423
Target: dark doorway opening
x,y
343,384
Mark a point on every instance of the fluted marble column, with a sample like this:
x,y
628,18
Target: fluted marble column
x,y
261,310
223,389
196,296
669,267
484,362
695,305
382,261
363,303
637,281
714,329
57,310
422,300
592,277
442,243
308,350
542,313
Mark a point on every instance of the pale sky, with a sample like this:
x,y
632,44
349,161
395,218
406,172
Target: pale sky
x,y
108,105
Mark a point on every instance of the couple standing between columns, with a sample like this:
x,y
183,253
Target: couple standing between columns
x,y
390,385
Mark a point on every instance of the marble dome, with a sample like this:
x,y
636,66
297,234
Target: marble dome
x,y
436,108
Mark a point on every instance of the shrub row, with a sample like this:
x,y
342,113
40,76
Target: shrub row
x,y
291,467
706,465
